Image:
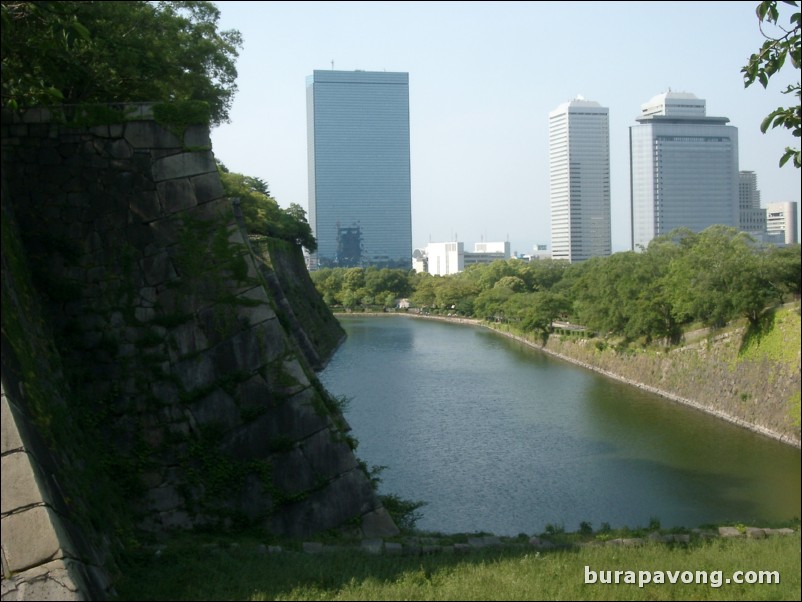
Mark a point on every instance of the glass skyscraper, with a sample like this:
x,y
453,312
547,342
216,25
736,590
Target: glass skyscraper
x,y
683,166
360,206
579,180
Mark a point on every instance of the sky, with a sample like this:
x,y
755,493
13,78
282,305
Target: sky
x,y
483,77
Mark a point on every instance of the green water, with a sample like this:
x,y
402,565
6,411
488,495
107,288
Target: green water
x,y
498,437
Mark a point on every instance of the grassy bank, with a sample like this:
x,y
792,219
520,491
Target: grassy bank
x,y
205,568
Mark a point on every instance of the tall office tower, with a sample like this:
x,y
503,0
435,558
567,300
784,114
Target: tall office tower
x,y
781,221
683,168
360,206
751,216
579,177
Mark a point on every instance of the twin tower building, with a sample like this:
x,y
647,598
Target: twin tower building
x,y
683,166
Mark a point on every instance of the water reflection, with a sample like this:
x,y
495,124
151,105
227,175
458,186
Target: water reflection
x,y
495,436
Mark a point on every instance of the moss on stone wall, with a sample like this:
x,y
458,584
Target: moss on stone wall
x,y
184,364
287,262
61,432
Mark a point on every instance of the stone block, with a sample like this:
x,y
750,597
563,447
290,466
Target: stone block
x,y
20,488
312,547
217,407
119,149
293,369
176,195
254,314
146,207
341,500
197,136
10,438
31,538
241,352
164,498
187,339
196,372
57,580
272,339
328,455
37,115
294,418
158,269
378,523
207,187
729,532
183,165
147,135
371,546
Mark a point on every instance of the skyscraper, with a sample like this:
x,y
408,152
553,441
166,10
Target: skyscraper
x,y
683,168
751,216
360,206
579,176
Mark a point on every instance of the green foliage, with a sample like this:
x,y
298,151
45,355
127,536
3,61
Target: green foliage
x,y
775,338
719,276
115,52
262,214
711,277
177,116
403,512
781,44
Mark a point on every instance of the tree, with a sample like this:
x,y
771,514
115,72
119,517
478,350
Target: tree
x,y
719,275
103,52
769,60
261,212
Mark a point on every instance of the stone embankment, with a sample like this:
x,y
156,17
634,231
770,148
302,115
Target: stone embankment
x,y
160,370
756,390
426,545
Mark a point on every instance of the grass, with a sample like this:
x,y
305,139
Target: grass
x,y
190,568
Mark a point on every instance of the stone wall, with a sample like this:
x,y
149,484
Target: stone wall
x,y
757,390
174,356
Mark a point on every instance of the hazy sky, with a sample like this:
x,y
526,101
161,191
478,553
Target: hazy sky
x,y
483,77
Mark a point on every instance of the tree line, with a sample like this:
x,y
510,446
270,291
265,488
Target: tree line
x,y
681,278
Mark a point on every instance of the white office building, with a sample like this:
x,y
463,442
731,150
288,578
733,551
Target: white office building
x,y
781,219
445,258
683,168
579,179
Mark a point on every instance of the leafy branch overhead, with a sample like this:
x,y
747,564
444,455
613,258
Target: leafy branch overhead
x,y
107,52
771,58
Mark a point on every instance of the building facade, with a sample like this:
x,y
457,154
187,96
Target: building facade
x,y
751,216
360,206
781,223
579,180
683,168
445,258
